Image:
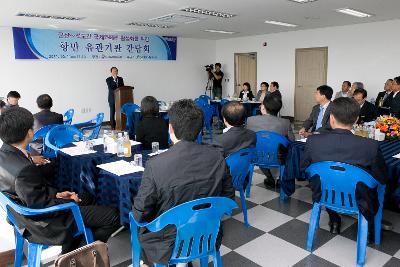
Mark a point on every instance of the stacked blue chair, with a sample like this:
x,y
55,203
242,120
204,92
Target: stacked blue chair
x,y
267,155
128,109
207,115
60,136
240,165
35,250
68,116
95,126
219,116
205,99
41,134
338,186
197,225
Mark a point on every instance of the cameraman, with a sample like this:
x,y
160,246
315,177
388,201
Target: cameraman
x,y
217,84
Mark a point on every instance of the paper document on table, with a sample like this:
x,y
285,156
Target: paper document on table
x,y
159,152
397,156
96,142
302,140
120,167
76,151
134,143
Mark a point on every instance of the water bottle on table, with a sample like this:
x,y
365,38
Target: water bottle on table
x,y
120,146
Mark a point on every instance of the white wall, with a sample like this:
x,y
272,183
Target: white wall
x,y
81,84
365,52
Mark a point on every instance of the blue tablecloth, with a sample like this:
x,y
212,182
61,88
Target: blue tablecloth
x,y
389,148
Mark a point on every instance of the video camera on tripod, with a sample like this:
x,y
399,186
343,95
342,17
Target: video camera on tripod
x,y
209,68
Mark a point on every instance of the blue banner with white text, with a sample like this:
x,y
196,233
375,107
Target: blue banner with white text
x,y
47,44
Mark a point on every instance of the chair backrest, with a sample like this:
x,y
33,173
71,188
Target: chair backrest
x,y
128,109
224,101
41,132
338,184
68,116
61,135
197,223
97,127
267,148
207,111
239,165
205,99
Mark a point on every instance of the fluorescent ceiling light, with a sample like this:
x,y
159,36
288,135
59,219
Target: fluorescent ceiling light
x,y
279,23
303,1
219,31
207,12
352,12
176,19
118,1
150,25
92,30
45,16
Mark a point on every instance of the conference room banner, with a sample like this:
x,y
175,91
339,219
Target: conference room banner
x,y
48,44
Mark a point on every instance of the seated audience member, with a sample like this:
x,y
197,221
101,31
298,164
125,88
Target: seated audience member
x,y
262,92
31,186
341,145
345,92
151,128
269,121
367,110
395,99
319,117
246,92
356,85
235,136
2,106
12,99
187,171
384,95
274,90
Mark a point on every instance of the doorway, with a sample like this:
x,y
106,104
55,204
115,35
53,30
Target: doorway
x,y
245,71
311,72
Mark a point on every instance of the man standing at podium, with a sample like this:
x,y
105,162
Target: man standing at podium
x,y
113,82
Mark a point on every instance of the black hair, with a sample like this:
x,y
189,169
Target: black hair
x,y
390,80
360,91
275,84
397,80
359,85
15,124
44,101
345,110
325,90
248,85
113,68
272,104
348,83
13,94
218,64
2,104
149,106
234,113
264,83
186,118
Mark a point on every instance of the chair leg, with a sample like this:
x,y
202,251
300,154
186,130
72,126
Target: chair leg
x,y
244,208
282,194
34,253
217,260
378,226
250,181
362,236
204,262
314,219
159,265
19,249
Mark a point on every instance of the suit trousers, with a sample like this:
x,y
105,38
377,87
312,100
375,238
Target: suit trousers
x,y
112,115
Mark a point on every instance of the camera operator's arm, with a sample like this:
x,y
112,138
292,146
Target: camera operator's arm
x,y
216,76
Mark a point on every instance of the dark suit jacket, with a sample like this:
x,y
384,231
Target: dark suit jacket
x,y
341,145
187,171
249,95
368,113
112,85
386,101
46,117
395,105
31,186
234,139
311,122
152,129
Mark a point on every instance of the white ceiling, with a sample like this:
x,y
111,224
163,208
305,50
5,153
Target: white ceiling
x,y
251,14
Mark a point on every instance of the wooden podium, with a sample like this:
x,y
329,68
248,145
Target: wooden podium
x,y
122,95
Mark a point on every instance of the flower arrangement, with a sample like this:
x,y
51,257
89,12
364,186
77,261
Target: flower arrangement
x,y
390,126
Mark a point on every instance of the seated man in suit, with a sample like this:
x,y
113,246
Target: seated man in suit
x,y
235,136
395,99
345,92
367,110
31,186
187,171
319,117
269,121
384,95
341,145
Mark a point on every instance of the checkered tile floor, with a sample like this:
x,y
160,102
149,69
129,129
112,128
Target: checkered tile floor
x,y
278,234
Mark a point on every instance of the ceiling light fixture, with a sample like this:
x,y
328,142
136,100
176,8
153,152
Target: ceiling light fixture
x,y
150,25
219,31
352,12
44,16
303,1
118,1
279,23
207,12
176,19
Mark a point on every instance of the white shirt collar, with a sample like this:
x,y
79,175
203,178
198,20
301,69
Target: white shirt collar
x,y
226,129
326,105
395,93
23,151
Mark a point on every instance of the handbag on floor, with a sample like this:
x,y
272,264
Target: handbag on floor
x,y
92,255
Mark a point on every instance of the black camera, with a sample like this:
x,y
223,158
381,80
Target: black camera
x,y
209,67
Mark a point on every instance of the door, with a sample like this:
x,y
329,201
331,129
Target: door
x,y
311,72
245,71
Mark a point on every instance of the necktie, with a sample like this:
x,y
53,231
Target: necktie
x,y
320,117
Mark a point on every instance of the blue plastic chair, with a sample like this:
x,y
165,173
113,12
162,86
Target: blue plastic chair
x,y
34,250
197,223
207,115
219,116
128,110
95,126
60,136
240,165
338,186
68,116
267,155
205,99
40,134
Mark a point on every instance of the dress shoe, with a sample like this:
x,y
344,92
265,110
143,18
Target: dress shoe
x,y
269,183
334,228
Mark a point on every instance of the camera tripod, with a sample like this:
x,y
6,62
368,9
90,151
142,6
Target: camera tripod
x,y
209,86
